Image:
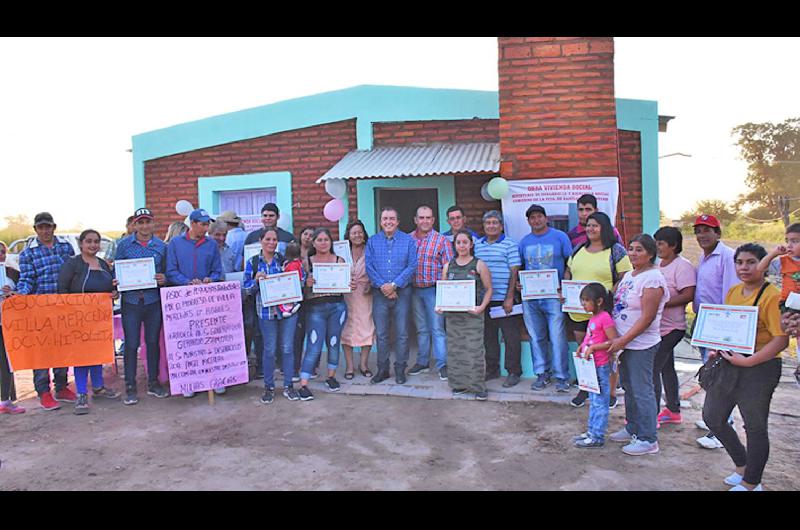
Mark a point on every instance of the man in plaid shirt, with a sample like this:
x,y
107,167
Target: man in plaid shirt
x,y
433,252
38,274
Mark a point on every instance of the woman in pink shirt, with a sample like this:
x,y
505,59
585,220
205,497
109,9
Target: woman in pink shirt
x,y
681,279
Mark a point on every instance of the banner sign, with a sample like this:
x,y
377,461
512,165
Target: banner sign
x,y
556,196
58,330
204,336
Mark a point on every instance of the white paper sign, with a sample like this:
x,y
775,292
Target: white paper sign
x,y
793,301
540,284
571,291
283,288
331,278
726,327
499,312
342,249
587,374
455,295
135,274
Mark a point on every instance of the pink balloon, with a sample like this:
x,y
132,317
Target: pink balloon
x,y
334,210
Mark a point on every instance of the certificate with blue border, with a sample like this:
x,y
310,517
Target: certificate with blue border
x,y
726,327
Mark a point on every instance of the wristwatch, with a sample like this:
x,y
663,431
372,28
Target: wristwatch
x,y
394,286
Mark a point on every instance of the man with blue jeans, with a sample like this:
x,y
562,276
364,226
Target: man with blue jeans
x,y
434,251
546,248
39,265
391,261
143,306
193,259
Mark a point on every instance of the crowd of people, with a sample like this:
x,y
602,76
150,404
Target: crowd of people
x,y
635,312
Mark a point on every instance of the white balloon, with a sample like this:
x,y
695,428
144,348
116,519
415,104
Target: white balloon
x,y
336,188
485,192
183,207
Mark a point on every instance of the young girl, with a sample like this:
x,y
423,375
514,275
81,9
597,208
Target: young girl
x,y
292,264
599,334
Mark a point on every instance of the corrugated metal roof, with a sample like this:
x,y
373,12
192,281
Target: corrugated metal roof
x,y
417,160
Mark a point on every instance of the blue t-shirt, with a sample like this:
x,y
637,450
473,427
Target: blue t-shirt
x,y
550,250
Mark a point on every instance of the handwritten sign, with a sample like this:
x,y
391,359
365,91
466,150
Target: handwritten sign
x,y
204,336
58,330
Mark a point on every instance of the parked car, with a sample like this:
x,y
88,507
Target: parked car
x,y
107,248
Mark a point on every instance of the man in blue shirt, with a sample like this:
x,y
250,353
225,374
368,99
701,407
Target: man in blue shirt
x,y
546,248
38,274
143,306
391,261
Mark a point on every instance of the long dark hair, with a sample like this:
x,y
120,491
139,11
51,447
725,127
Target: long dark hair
x,y
607,236
469,235
349,227
596,291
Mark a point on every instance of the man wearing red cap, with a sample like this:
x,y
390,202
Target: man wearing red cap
x,y
716,274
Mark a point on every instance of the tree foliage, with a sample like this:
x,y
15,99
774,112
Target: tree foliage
x,y
772,152
722,210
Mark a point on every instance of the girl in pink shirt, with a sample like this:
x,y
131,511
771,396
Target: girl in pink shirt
x,y
599,334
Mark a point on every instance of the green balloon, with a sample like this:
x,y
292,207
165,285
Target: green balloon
x,y
498,188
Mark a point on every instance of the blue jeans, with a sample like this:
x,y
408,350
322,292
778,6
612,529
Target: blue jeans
x,y
636,374
278,333
388,314
598,404
544,319
428,323
133,316
82,377
324,323
41,380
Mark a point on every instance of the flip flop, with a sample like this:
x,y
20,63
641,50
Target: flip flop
x,y
349,375
365,373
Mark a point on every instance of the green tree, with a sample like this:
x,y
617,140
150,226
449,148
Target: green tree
x,y
720,209
772,152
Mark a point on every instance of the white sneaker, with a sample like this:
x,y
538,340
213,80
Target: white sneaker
x,y
188,395
709,441
219,391
742,488
621,436
733,480
640,447
700,424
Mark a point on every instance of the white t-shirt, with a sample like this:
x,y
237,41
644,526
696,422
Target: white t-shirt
x,y
628,306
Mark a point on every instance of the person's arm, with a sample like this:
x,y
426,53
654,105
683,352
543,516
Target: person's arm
x,y
27,274
651,297
446,255
683,297
515,263
486,280
65,274
763,265
173,274
370,260
408,272
729,278
611,335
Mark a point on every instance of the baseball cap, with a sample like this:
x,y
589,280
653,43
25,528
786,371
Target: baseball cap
x,y
708,220
534,208
200,215
142,213
43,218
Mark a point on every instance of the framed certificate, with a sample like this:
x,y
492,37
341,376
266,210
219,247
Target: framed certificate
x,y
342,249
455,295
587,374
539,284
253,249
134,274
283,288
726,327
571,291
331,278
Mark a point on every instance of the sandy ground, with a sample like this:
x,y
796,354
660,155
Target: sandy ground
x,y
365,442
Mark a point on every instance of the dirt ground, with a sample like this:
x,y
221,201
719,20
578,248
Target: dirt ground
x,y
351,442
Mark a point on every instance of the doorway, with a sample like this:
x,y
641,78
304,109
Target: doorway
x,y
406,201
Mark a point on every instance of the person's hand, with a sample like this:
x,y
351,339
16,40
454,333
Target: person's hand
x,y
508,305
736,359
780,250
519,287
367,288
790,323
439,311
352,284
6,290
260,275
617,345
161,279
393,296
387,289
114,294
588,351
207,280
196,281
114,282
310,280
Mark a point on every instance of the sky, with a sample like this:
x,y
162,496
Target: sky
x,y
69,106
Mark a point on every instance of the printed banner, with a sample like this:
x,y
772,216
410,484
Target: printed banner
x,y
557,196
204,336
58,330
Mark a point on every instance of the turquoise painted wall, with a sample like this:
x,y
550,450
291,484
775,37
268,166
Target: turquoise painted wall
x,y
209,187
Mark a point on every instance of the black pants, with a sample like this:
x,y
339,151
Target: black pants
x,y
6,377
752,392
511,337
664,369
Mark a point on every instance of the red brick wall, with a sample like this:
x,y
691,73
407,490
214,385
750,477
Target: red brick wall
x,y
630,153
408,132
306,153
557,107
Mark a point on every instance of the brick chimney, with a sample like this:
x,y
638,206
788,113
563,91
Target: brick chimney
x,y
557,107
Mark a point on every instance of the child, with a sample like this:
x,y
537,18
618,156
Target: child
x,y
599,334
292,264
784,261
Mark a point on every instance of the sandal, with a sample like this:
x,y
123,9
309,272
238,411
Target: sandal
x,y
365,373
349,375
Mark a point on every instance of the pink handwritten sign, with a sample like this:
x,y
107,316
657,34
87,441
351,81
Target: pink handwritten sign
x,y
204,336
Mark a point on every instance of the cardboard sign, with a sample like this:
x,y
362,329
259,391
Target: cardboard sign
x,y
204,336
58,330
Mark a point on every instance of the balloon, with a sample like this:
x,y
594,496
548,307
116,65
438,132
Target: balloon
x,y
183,207
485,192
334,210
336,188
498,188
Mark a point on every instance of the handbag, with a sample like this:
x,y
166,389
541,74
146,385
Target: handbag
x,y
714,372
